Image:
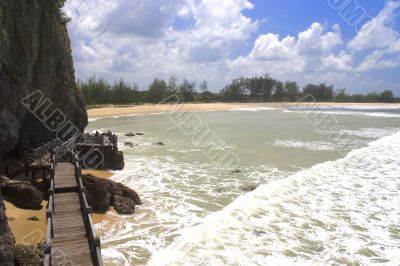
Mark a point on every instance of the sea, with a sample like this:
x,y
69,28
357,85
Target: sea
x,y
306,185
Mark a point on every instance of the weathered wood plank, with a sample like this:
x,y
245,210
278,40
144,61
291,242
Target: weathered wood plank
x,y
70,243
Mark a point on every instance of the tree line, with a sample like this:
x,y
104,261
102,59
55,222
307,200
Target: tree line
x,y
245,89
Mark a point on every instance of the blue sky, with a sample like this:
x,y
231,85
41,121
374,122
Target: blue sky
x,y
308,41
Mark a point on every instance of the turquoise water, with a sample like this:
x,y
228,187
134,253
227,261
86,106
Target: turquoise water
x,y
310,206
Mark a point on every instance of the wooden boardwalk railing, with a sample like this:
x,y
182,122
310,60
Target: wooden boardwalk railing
x,y
71,238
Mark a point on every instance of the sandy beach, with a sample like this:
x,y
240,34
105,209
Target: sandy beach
x,y
29,232
202,107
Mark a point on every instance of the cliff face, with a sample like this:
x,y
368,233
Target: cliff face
x,y
35,55
6,238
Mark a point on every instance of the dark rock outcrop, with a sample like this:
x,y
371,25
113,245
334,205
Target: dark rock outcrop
x,y
129,144
26,255
103,193
35,54
114,159
7,239
130,134
97,194
33,218
23,195
124,205
249,187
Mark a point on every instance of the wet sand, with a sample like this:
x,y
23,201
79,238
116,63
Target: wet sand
x,y
98,173
29,232
201,107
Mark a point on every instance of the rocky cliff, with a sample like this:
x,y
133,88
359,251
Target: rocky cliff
x,y
6,238
35,54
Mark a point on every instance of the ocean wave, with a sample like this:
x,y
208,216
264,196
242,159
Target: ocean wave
x,y
310,145
361,110
174,195
93,119
344,107
371,133
254,109
338,212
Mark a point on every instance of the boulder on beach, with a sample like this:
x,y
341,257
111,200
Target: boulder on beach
x,y
33,218
130,134
123,205
26,255
23,195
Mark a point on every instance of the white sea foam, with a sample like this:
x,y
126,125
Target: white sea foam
x,y
344,107
310,145
343,110
371,133
128,115
360,113
338,212
94,119
174,195
254,109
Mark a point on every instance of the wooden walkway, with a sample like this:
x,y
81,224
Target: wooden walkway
x,y
70,238
70,243
73,240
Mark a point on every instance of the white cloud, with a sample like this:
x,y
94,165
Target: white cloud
x,y
197,40
384,40
342,62
379,33
290,55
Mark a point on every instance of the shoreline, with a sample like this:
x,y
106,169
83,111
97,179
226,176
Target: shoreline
x,y
207,107
28,232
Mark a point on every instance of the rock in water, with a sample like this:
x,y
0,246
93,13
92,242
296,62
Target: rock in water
x,y
7,239
159,143
139,134
97,194
129,144
102,194
130,134
35,55
124,205
23,195
249,187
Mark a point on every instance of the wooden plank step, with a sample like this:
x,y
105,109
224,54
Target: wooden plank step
x,y
75,230
66,239
64,218
66,223
70,246
65,182
67,195
81,251
61,258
